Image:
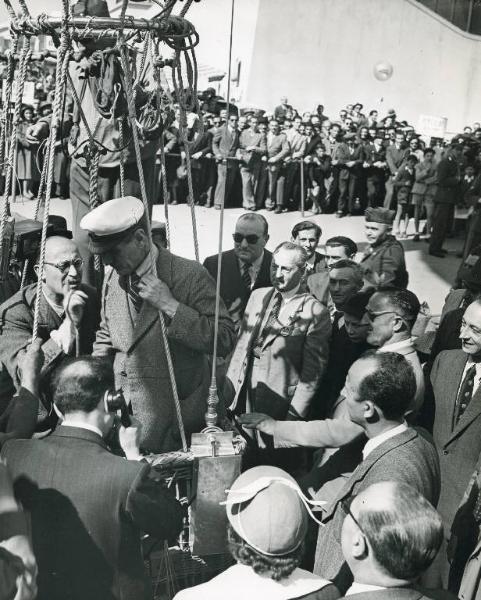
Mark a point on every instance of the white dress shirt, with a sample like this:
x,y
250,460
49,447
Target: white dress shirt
x,y
477,378
377,440
81,425
360,588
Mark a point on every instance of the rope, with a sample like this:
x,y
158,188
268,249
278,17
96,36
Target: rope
x,y
94,161
13,137
60,85
121,157
213,400
8,96
135,136
165,191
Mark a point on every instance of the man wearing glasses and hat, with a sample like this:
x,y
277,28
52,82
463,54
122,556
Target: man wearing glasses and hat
x,y
383,263
145,280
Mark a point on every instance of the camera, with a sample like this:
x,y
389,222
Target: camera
x,y
114,402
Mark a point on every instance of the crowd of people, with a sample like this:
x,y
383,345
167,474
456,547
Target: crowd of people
x,y
345,404
361,462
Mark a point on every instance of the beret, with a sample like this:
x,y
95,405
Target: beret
x,y
379,215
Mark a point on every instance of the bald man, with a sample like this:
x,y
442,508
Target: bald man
x,y
67,306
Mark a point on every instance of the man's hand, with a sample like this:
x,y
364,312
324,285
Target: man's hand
x,y
74,303
197,155
129,439
262,423
157,293
37,132
30,363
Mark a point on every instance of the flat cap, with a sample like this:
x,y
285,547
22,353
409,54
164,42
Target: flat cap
x,y
110,222
379,215
265,509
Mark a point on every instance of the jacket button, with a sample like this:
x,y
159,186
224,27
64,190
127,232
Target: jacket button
x,y
123,373
445,451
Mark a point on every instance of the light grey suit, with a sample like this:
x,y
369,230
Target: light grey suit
x,y
138,352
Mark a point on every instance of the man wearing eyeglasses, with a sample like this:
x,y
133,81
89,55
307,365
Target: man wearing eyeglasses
x,y
225,144
387,561
244,268
68,318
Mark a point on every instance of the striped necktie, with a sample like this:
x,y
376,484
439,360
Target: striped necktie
x,y
465,393
246,276
133,291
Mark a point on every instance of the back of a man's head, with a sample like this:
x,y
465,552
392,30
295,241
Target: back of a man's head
x,y
80,384
391,386
402,528
404,302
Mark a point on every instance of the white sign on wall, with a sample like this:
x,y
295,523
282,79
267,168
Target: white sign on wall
x,y
432,126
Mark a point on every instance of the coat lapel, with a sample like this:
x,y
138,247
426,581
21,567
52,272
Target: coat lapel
x,y
363,468
451,382
118,300
288,318
472,412
148,314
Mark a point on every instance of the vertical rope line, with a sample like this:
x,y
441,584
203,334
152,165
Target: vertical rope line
x,y
213,385
121,157
25,52
135,137
8,96
60,84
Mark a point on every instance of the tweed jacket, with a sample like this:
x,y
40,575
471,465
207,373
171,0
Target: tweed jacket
x,y
233,290
407,457
88,508
459,447
16,325
293,357
385,265
139,357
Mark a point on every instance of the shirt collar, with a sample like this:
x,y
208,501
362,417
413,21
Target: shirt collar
x,y
359,588
55,307
146,265
73,423
290,294
377,440
396,346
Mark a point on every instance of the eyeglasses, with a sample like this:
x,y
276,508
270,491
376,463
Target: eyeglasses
x,y
373,315
64,266
346,507
251,238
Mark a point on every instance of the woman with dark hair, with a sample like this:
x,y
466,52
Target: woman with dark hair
x,y
27,171
268,522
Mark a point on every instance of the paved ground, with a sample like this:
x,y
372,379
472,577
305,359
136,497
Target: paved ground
x,y
430,277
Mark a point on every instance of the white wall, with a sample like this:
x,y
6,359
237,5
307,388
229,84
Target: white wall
x,y
324,51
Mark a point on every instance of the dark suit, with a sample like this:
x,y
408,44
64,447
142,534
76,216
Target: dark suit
x,y
136,346
459,446
407,457
403,593
88,508
385,264
317,279
201,142
375,175
233,290
395,158
224,145
16,326
447,194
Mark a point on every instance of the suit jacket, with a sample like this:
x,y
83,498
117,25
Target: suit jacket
x,y
385,265
317,280
459,447
448,181
225,142
233,290
395,158
371,156
407,457
88,508
16,326
426,178
139,357
248,139
277,146
403,593
202,143
291,363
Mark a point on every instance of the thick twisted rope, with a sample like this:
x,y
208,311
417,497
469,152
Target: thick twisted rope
x,y
135,137
24,54
60,85
94,162
121,156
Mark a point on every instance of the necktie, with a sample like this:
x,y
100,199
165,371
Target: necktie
x,y
133,291
271,319
246,276
465,393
